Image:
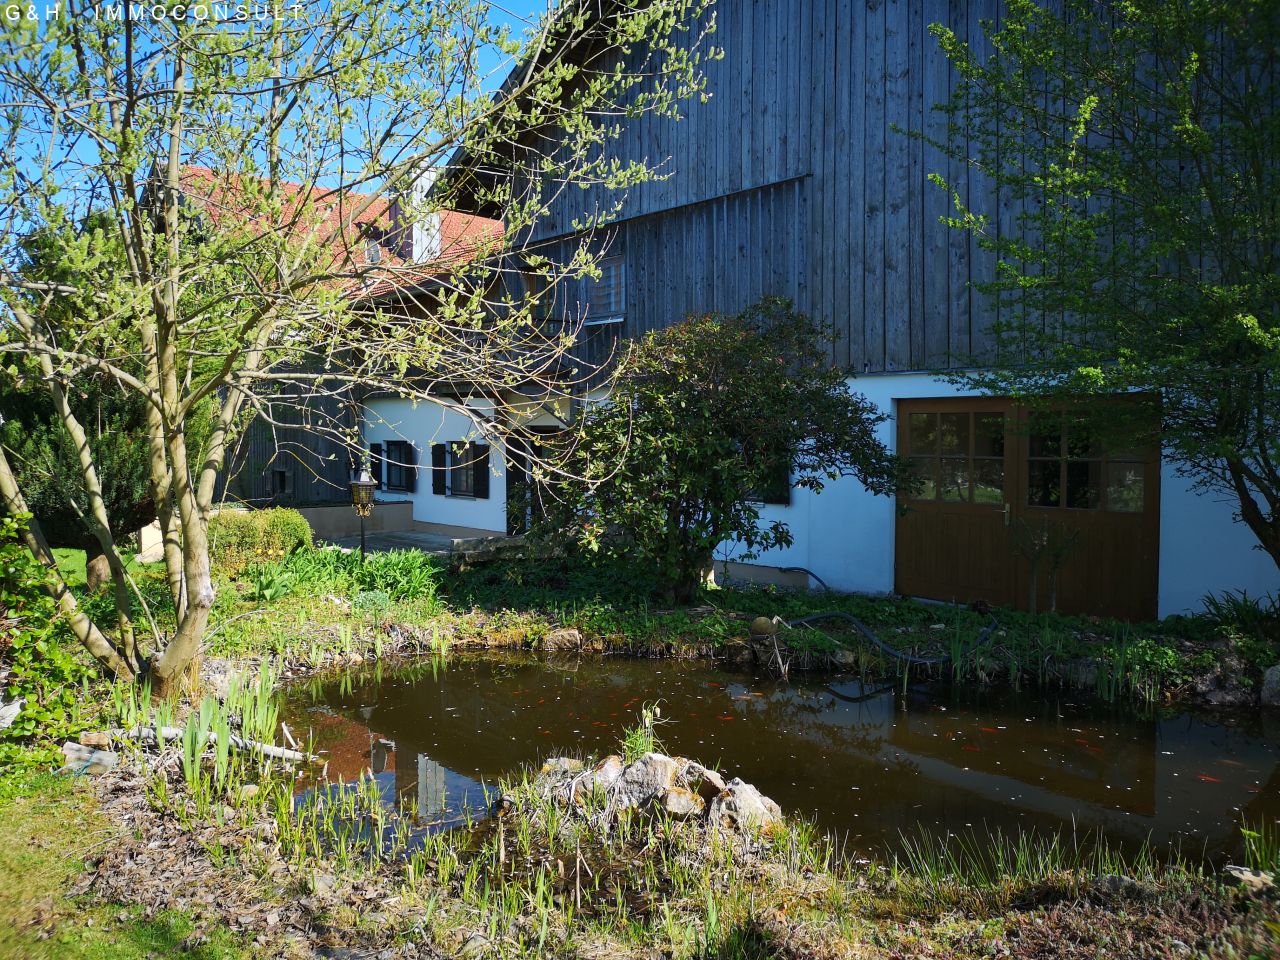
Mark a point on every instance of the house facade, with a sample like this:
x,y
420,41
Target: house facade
x,y
795,179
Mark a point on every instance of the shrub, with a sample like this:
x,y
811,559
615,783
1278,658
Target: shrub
x,y
710,419
238,538
36,665
400,574
327,570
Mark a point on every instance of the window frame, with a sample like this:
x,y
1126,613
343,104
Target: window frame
x,y
461,460
614,310
398,459
939,456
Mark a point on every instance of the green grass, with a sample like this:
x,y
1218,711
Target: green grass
x,y
71,564
46,830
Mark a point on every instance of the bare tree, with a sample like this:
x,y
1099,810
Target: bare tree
x,y
246,167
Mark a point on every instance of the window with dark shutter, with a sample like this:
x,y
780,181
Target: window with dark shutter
x,y
462,469
401,466
410,468
375,463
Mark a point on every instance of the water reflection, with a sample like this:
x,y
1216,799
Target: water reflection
x,y
865,762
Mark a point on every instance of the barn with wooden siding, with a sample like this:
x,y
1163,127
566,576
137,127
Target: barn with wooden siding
x,y
800,177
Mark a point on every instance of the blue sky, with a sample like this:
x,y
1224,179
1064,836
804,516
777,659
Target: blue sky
x,y
520,15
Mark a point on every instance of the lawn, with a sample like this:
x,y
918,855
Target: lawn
x,y
46,831
71,564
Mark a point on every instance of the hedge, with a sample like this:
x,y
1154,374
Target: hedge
x,y
238,538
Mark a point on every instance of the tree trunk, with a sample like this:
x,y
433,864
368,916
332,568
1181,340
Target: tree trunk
x,y
1265,525
97,570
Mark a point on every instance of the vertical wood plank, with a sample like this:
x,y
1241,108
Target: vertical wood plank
x,y
875,263
898,172
916,186
960,315
982,199
936,234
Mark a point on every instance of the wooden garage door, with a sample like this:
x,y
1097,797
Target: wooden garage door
x,y
1010,508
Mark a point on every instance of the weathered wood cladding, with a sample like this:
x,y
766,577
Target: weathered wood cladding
x,y
798,178
292,465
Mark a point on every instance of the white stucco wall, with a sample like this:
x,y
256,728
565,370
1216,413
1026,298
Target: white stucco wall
x,y
423,424
846,535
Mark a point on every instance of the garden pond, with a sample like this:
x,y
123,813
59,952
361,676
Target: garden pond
x,y
869,764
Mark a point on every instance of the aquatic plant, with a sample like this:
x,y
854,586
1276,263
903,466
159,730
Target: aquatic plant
x,y
1261,845
641,739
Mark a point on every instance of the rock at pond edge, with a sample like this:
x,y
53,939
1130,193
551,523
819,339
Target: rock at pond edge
x,y
742,805
645,780
1271,687
681,802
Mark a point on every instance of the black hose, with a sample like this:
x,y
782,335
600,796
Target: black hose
x,y
822,583
883,647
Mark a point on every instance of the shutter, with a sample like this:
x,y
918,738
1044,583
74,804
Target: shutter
x,y
411,467
439,465
375,462
480,464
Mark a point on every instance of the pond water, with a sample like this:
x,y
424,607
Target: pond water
x,y
864,763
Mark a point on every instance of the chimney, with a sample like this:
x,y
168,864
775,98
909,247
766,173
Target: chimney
x,y
417,226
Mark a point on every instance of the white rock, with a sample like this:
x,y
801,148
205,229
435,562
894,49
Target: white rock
x,y
645,780
1255,881
1271,687
681,802
710,784
742,805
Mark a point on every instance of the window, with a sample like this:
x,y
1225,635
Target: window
x,y
281,482
460,469
372,251
401,466
776,488
462,473
539,296
607,301
958,456
1068,468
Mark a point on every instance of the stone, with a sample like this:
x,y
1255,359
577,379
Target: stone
x,y
96,739
1271,687
476,945
763,627
567,638
560,766
844,658
603,775
321,883
681,802
710,784
645,780
248,792
1118,885
1253,881
743,806
86,760
216,676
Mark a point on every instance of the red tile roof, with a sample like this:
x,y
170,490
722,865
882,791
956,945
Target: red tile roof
x,y
347,221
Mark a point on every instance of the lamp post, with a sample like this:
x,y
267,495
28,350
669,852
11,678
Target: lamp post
x,y
362,499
